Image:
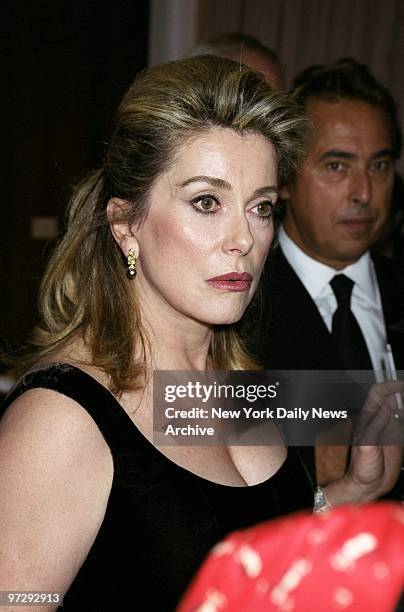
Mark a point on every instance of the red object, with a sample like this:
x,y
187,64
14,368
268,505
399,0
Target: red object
x,y
350,558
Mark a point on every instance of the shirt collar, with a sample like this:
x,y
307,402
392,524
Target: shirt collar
x,y
316,276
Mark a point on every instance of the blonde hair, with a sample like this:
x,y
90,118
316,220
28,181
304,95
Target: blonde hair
x,y
85,288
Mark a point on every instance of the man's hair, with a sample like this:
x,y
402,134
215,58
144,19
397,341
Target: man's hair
x,y
347,79
232,45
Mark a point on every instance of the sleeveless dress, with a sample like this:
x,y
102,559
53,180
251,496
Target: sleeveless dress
x,y
161,519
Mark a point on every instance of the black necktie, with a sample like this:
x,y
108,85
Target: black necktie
x,y
346,333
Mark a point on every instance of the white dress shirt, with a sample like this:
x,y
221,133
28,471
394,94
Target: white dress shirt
x,y
366,303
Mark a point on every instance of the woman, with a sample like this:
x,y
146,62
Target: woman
x,y
183,206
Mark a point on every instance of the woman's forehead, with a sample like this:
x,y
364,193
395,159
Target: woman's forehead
x,y
222,153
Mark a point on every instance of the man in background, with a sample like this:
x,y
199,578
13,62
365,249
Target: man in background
x,y
247,50
328,302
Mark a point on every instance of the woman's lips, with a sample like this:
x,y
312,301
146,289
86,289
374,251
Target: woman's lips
x,y
234,281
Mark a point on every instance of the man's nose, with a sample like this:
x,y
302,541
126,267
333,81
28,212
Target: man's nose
x,y
361,187
238,238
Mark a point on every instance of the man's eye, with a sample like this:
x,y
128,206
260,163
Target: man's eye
x,y
335,166
381,165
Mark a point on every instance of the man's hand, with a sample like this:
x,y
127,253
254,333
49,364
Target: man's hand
x,y
377,449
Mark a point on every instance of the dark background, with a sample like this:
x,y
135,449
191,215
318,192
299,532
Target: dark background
x,y
65,66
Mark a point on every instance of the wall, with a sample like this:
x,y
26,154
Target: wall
x,y
302,32
66,65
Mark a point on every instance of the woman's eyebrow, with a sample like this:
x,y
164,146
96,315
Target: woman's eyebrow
x,y
212,180
264,190
221,183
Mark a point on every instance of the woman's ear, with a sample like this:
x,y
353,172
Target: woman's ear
x,y
284,192
120,228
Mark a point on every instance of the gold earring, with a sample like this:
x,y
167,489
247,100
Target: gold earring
x,y
131,259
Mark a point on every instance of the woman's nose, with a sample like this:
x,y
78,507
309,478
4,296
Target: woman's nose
x,y
238,237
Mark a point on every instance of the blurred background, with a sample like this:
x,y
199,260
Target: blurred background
x,y
67,63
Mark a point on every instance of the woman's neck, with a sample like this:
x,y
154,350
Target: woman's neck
x,y
178,343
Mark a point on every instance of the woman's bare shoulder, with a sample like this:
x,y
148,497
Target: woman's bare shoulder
x,y
49,415
49,420
56,473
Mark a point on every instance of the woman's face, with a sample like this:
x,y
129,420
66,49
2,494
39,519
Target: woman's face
x,y
209,226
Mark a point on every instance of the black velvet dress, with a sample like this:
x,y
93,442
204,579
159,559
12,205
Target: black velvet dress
x,y
161,519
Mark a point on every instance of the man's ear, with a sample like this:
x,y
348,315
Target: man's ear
x,y
120,227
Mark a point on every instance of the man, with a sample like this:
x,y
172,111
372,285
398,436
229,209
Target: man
x,y
335,211
248,50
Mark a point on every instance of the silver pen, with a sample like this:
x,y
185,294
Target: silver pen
x,y
391,374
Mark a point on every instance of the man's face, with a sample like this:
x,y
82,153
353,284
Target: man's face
x,y
269,69
340,199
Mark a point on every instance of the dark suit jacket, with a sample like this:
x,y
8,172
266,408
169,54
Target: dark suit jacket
x,y
292,334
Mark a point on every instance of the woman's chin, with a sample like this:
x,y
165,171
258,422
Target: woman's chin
x,y
226,318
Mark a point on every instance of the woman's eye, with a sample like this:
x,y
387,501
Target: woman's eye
x,y
205,204
263,209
